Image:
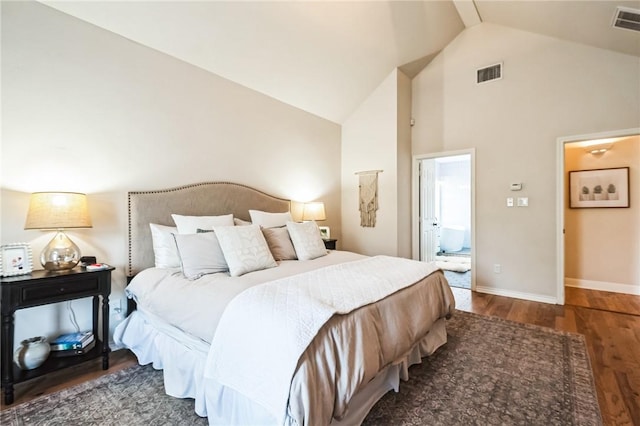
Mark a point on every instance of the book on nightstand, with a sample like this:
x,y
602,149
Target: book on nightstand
x,y
72,352
72,341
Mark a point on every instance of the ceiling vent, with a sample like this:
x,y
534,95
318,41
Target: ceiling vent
x,y
627,18
490,73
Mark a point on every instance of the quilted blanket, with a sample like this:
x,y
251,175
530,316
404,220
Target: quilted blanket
x,y
265,329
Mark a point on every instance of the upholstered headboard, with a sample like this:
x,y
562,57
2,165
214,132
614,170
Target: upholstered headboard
x,y
201,199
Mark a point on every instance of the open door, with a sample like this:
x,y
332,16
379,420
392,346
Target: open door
x,y
443,188
429,230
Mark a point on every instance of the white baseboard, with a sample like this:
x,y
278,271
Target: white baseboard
x,y
517,295
602,286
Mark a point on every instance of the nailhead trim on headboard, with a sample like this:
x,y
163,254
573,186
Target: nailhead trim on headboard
x,y
240,197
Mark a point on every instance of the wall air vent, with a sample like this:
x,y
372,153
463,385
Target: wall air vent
x,y
492,72
627,18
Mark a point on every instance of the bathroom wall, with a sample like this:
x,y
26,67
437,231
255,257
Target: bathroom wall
x,y
454,177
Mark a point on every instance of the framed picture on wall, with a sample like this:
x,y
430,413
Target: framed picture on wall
x,y
15,259
599,188
325,232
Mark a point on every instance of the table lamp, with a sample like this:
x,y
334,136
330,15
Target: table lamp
x,y
313,211
59,211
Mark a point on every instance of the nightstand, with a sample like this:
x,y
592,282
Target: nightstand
x,y
43,288
330,243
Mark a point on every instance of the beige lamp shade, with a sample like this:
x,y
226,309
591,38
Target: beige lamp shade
x,y
314,211
58,210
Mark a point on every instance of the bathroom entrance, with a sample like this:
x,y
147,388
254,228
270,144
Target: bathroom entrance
x,y
445,209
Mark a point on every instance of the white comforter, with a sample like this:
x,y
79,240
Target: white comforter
x,y
195,306
282,317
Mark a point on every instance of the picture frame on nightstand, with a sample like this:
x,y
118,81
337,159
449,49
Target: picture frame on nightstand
x,y
15,259
325,232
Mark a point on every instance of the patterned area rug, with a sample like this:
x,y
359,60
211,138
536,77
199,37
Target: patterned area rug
x,y
491,371
496,372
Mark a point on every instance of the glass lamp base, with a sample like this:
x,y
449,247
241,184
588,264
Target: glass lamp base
x,y
61,253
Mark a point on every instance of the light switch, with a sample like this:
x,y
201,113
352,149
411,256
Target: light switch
x,y
523,201
510,202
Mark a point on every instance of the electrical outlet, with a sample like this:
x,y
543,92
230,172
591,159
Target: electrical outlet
x,y
497,268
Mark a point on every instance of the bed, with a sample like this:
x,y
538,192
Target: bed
x,y
302,338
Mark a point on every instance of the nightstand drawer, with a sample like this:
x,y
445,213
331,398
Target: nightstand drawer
x,y
45,292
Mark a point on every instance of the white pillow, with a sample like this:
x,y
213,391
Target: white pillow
x,y
200,254
270,220
190,224
244,248
165,252
306,240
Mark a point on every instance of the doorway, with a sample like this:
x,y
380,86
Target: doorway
x,y
443,212
586,259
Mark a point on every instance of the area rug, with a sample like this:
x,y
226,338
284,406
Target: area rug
x,y
496,372
491,371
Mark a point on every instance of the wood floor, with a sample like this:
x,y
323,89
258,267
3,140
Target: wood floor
x,y
609,321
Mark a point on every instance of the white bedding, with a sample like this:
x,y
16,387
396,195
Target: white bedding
x,y
195,306
283,316
177,320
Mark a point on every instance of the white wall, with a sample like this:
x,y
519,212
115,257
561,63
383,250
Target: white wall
x,y
404,166
377,137
550,88
89,111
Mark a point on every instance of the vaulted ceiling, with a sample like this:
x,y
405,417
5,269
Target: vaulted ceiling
x,y
326,57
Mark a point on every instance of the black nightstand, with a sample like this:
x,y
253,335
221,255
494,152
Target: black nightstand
x,y
330,243
43,288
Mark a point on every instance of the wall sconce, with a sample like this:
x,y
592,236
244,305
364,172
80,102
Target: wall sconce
x,y
59,211
314,211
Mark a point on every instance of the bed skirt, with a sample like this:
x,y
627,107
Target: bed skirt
x,y
182,359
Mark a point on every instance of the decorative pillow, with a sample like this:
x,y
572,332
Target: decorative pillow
x,y
270,220
200,254
165,251
279,243
306,240
244,248
240,222
190,224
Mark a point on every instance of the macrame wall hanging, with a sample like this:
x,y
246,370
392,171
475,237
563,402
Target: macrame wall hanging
x,y
368,197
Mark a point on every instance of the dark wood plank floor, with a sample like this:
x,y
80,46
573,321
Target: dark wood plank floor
x,y
613,342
